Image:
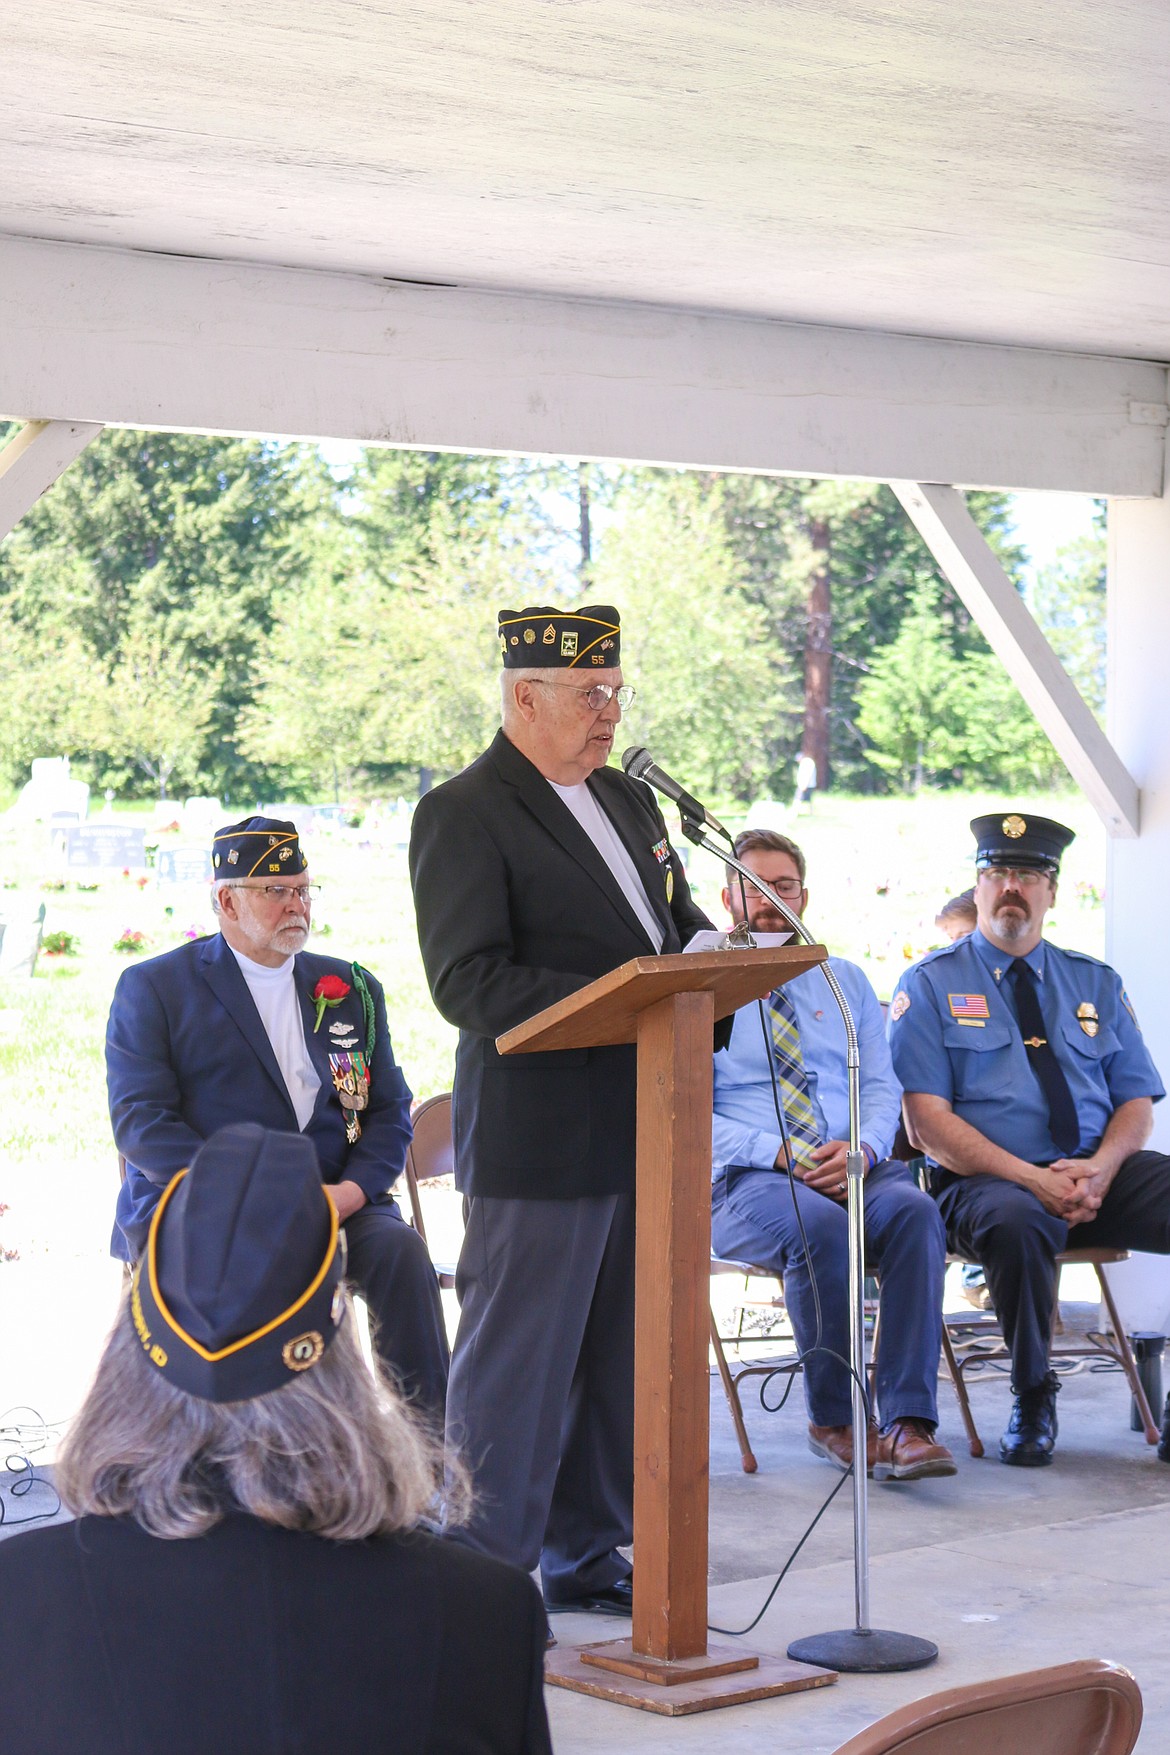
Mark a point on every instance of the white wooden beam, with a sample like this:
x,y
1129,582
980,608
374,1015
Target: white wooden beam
x,y
133,339
954,539
33,459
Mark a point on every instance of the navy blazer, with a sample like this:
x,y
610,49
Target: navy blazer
x,y
187,1053
517,909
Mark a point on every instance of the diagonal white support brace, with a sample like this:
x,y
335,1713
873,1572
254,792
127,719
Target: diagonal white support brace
x,y
942,520
31,462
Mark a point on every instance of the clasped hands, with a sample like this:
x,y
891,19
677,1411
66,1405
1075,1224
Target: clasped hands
x,y
1072,1188
824,1168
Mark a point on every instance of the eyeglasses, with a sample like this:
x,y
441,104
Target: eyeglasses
x,y
1027,879
600,695
282,894
782,887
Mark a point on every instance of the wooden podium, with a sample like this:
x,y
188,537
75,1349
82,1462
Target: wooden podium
x,y
668,1006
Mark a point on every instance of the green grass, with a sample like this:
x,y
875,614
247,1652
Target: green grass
x,y
879,869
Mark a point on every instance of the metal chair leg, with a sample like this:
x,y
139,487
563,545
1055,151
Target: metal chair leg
x,y
954,1371
731,1391
1124,1354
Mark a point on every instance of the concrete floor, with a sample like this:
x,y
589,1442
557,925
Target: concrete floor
x,y
1004,1569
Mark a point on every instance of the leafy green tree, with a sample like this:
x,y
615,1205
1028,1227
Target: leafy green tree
x,y
835,566
1068,601
910,706
934,716
197,532
158,704
693,644
52,697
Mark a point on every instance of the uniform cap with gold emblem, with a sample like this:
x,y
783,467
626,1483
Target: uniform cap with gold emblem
x,y
239,1288
560,639
1013,838
258,847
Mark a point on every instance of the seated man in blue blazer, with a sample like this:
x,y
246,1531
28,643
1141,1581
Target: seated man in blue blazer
x,y
249,1026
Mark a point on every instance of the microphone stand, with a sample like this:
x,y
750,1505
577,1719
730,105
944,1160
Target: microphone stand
x,y
861,1647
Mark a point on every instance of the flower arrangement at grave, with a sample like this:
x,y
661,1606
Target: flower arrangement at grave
x,y
130,940
60,944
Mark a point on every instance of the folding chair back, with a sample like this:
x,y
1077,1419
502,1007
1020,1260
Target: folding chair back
x,y
430,1157
1086,1708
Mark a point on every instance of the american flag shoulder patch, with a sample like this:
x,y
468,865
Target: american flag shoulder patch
x,y
968,1008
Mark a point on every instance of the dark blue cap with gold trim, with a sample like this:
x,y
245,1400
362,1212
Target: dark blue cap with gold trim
x,y
1013,839
257,847
561,639
239,1288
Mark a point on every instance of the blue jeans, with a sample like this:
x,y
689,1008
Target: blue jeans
x,y
752,1219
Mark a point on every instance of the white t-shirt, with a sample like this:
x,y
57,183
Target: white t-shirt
x,y
614,852
276,1000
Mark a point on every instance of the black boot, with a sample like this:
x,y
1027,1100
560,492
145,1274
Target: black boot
x,y
1031,1434
1164,1447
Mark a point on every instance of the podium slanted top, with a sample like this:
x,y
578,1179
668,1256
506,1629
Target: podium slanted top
x,y
607,1010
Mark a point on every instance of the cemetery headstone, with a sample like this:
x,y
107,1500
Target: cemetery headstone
x,y
183,865
105,846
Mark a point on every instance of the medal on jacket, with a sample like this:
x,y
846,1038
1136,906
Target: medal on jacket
x,y
351,1081
1087,1017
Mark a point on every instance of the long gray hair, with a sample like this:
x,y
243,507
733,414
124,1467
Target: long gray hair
x,y
336,1451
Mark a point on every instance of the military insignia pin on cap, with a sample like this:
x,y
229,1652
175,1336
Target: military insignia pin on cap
x,y
239,1289
560,639
1011,839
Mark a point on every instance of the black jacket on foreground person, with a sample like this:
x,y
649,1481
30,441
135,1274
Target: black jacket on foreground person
x,y
516,910
255,1640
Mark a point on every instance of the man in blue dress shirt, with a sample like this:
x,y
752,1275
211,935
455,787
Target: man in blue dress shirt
x,y
753,1209
1028,1085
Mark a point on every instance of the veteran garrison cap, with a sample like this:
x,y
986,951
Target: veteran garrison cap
x,y
239,1288
1011,838
257,847
560,639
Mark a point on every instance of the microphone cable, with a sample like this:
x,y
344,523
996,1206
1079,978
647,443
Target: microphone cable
x,y
20,1441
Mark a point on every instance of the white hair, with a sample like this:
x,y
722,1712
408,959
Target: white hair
x,y
337,1451
548,675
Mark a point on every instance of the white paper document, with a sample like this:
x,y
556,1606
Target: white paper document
x,y
717,941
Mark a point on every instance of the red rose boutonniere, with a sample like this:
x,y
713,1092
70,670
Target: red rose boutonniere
x,y
329,991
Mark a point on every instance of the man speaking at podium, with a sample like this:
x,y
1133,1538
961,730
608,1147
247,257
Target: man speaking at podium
x,y
535,871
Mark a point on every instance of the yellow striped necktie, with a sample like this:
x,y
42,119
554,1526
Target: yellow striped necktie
x,y
798,1110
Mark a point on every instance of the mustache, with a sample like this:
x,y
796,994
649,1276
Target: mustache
x,y
1012,898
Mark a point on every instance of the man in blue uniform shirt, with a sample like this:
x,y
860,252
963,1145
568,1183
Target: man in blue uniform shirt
x,y
753,1215
1028,1085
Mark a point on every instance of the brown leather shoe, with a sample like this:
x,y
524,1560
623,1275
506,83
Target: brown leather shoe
x,y
908,1451
835,1444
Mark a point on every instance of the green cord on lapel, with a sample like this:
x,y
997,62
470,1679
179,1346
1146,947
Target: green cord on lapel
x,y
359,981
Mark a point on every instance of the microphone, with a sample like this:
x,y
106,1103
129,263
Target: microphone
x,y
639,764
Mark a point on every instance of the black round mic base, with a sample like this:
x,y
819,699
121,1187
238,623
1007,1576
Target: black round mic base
x,y
864,1651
